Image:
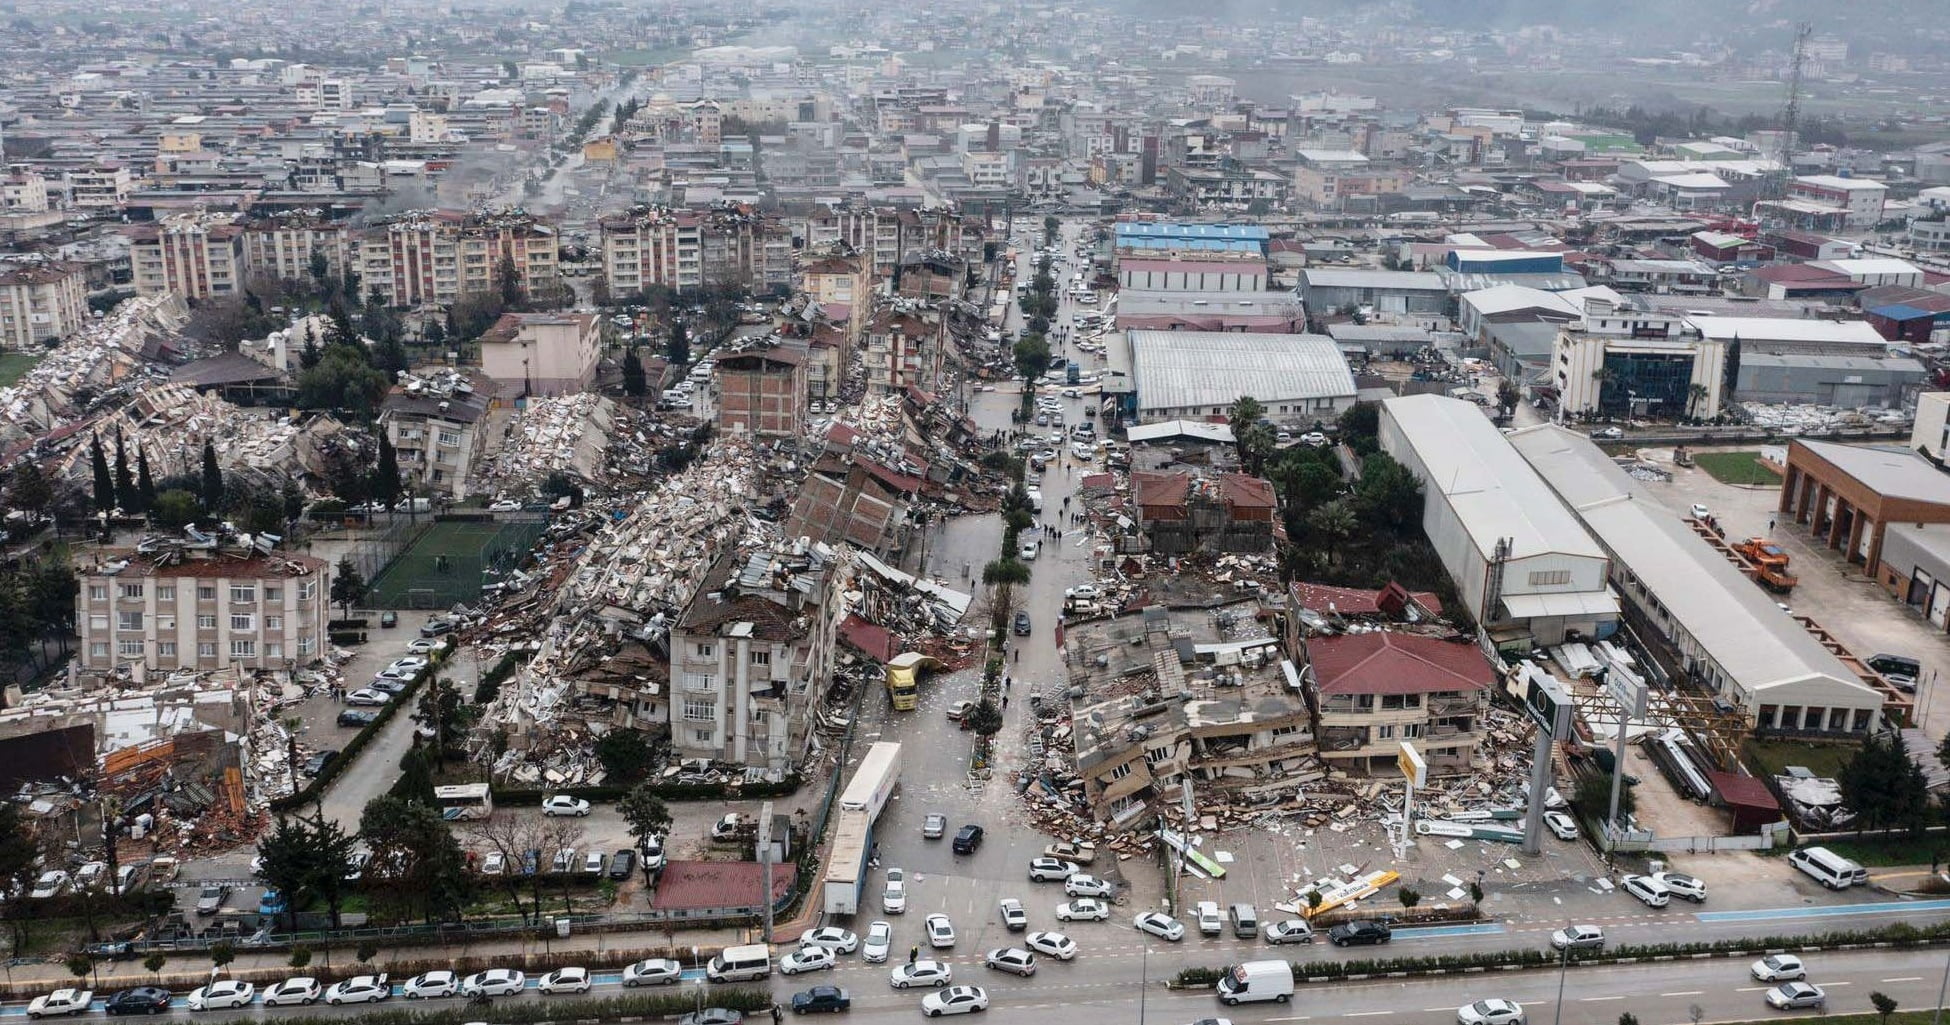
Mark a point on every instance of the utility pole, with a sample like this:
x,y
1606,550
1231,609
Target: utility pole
x,y
1791,110
765,863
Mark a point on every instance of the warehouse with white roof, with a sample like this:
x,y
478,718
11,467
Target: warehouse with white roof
x,y
1523,565
1190,375
1692,606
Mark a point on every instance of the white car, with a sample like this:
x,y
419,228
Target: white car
x,y
955,1000
495,982
1210,922
1561,825
90,875
1014,917
941,932
1578,937
302,990
921,973
1161,925
1055,944
494,864
1084,592
219,996
408,663
1047,870
565,980
50,884
1683,885
1490,1012
360,989
1700,512
880,940
61,1001
655,971
429,985
1014,960
1086,886
1790,996
807,959
1313,438
563,804
1084,910
424,645
1648,890
893,900
367,696
653,852
833,938
1779,968
1293,930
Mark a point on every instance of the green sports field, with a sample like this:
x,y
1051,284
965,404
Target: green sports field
x,y
446,563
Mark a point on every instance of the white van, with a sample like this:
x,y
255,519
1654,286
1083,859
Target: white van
x,y
1036,500
1256,982
1829,869
741,964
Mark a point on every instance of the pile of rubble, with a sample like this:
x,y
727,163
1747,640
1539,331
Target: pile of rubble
x,y
1811,419
95,358
169,422
557,434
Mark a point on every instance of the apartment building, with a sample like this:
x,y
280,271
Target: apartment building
x,y
751,657
1857,201
439,257
436,432
1330,179
282,247
905,345
203,604
40,302
840,282
657,246
762,390
103,186
543,353
23,190
195,256
884,234
1374,690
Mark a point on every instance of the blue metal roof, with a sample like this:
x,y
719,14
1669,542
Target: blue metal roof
x,y
1904,311
1131,230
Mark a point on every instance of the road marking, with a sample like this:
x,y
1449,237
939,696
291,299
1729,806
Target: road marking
x,y
1297,1017
1752,989
1906,978
1825,911
1594,1000
1834,984
1684,993
1364,1014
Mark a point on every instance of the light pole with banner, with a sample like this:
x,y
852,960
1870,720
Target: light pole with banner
x,y
1415,771
1549,706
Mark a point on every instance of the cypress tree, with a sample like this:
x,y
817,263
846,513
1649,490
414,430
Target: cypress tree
x,y
145,485
125,495
104,481
212,478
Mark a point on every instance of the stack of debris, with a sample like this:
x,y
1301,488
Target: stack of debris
x,y
557,434
1810,419
94,359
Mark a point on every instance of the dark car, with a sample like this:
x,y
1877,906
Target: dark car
x,y
140,1000
830,999
531,861
1900,670
318,761
967,839
1351,933
1022,623
357,717
621,863
389,618
436,627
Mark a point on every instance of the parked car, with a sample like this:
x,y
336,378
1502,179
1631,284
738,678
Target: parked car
x,y
959,709
877,943
318,761
1210,921
1578,937
893,899
1359,932
1055,944
1490,1012
211,898
91,875
654,971
388,685
1293,930
1014,960
1084,910
50,884
360,989
955,1000
357,717
712,1016
424,645
941,931
1014,918
368,697
1045,870
140,1000
1086,886
621,864
1021,625
594,862
64,1001
302,990
1649,891
429,985
1608,433
821,999
921,973
807,959
563,804
933,826
1561,825
495,982
564,980
1779,968
437,626
1679,884
1161,925
221,995
833,938
272,903
653,853
968,839
1790,996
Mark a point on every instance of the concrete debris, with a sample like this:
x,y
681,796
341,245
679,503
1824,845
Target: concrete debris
x,y
88,365
1815,420
557,434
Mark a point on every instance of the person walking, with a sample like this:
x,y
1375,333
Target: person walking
x,y
912,953
778,1015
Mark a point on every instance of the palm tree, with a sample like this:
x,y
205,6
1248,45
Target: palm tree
x,y
1334,522
1695,394
1003,575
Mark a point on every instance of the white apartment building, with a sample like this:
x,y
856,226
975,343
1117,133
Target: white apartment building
x,y
41,301
105,186
543,353
23,191
203,609
193,256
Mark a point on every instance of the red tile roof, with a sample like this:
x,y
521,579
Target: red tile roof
x,y
1245,491
875,640
1389,662
1353,601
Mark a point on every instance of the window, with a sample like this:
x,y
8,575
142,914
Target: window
x,y
243,649
273,622
206,649
98,621
306,644
98,592
165,592
707,650
273,649
449,438
129,649
165,649
206,592
243,621
131,590
701,682
761,658
1121,771
1411,730
98,649
1384,733
704,736
243,592
1157,754
273,593
206,622
307,590
128,621
700,711
1550,576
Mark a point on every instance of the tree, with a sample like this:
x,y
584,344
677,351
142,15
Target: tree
x,y
1389,495
1696,394
145,484
365,951
1507,397
212,478
29,490
440,710
511,837
333,849
1333,523
79,965
1032,356
1591,799
319,267
508,282
125,495
985,719
1361,427
634,382
339,332
434,333
300,957
20,851
1628,1018
104,480
1884,1004
1409,896
1884,786
222,953
1476,896
646,815
417,868
289,865
1250,433
678,348
1004,574
154,963
385,473
624,755
309,355
174,508
348,585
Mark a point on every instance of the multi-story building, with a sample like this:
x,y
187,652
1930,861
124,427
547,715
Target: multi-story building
x,y
438,258
436,430
904,348
1375,690
543,353
1180,513
1621,359
103,186
762,390
1330,179
192,255
751,657
186,606
1858,201
884,234
40,302
23,191
662,247
841,283
282,246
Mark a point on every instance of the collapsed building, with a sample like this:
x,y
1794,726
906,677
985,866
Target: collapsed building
x,y
1181,512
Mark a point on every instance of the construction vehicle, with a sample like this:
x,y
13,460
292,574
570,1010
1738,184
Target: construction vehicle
x,y
1770,562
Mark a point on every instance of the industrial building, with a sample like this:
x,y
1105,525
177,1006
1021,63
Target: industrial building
x,y
1325,289
1621,359
1267,313
1186,375
1700,618
1848,495
1853,382
1526,570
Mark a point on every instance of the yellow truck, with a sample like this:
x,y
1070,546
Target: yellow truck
x,y
904,678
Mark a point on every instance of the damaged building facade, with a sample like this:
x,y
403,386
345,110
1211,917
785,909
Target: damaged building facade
x,y
1180,513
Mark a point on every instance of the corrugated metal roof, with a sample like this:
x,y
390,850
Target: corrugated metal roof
x,y
1176,369
1399,280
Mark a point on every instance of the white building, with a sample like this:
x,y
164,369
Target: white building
x,y
40,302
1859,200
1188,375
1522,563
1621,360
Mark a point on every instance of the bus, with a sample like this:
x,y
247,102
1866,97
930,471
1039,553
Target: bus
x,y
464,801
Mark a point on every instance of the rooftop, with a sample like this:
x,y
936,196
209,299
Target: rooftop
x,y
1393,662
1889,472
1760,330
1177,369
1407,280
